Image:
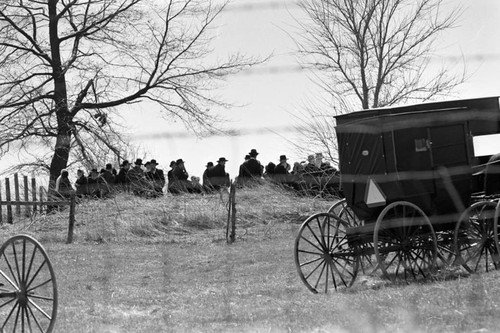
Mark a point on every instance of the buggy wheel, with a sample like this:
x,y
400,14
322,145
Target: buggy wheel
x,y
344,212
322,255
28,287
474,239
405,243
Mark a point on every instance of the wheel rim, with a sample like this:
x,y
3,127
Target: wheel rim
x,y
365,250
29,290
323,258
474,241
404,242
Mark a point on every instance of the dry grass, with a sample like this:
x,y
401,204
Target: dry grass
x,y
163,265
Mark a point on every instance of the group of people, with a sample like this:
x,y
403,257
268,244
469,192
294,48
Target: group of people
x,y
145,178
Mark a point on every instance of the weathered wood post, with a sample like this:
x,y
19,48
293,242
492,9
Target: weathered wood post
x,y
41,199
8,198
231,215
16,194
72,205
33,192
27,210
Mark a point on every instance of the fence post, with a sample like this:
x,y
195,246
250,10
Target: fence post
x,y
8,198
26,196
33,193
16,194
41,199
71,219
231,216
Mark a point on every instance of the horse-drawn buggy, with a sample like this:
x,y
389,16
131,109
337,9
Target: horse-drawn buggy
x,y
28,288
408,175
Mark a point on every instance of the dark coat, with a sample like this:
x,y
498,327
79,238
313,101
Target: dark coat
x,y
251,168
156,176
281,170
81,181
217,171
108,177
135,174
122,178
180,174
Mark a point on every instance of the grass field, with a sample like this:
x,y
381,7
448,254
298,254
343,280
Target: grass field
x,y
163,265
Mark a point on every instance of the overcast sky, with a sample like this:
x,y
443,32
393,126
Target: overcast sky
x,y
271,92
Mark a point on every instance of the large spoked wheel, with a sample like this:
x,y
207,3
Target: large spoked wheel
x,y
474,239
323,258
405,243
344,212
28,288
365,249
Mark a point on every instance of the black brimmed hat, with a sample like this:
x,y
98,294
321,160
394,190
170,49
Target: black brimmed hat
x,y
283,157
153,162
179,161
138,161
253,152
222,159
125,162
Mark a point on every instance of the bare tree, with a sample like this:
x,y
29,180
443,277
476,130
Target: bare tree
x,y
69,67
375,53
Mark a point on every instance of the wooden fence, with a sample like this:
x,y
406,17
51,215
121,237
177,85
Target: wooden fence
x,y
35,199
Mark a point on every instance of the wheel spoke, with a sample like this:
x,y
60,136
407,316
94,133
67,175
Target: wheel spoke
x,y
31,263
310,252
310,262
313,245
9,315
36,273
39,309
8,302
9,280
17,263
11,271
315,268
38,286
34,317
46,298
320,274
317,240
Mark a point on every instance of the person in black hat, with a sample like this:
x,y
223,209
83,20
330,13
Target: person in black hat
x,y
157,177
170,173
206,176
220,169
136,177
107,175
252,167
180,172
122,178
283,168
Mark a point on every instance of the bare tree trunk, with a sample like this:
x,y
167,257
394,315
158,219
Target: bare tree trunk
x,y
63,140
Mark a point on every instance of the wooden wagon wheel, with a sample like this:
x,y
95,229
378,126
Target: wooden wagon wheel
x,y
322,256
405,242
344,212
474,238
28,288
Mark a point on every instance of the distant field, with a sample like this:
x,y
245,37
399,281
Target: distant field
x,y
164,266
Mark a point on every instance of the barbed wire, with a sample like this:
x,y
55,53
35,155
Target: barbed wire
x,y
261,6
297,68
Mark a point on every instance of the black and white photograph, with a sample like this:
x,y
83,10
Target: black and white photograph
x,y
249,166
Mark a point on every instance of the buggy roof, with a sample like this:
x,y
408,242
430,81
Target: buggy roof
x,y
375,116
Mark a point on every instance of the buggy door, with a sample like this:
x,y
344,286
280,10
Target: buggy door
x,y
413,159
450,150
